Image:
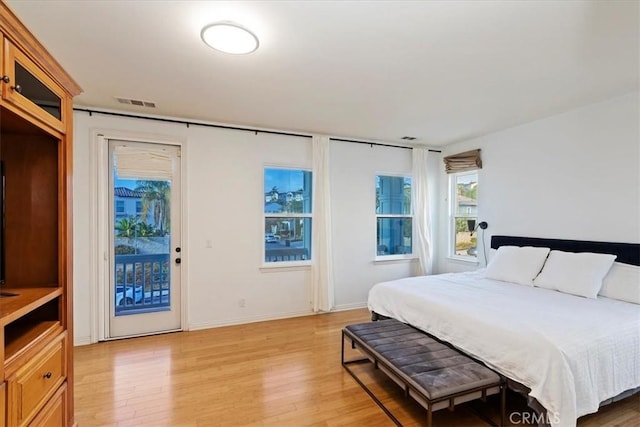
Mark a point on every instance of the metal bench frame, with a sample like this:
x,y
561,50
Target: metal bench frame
x,y
395,374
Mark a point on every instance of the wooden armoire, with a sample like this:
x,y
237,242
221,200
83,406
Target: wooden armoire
x,y
36,306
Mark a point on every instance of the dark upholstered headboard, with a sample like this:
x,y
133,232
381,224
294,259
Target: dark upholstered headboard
x,y
628,253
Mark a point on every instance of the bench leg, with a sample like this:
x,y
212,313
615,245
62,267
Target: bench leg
x,y
503,404
429,416
378,402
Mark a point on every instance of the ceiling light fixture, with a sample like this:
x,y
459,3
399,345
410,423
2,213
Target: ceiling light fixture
x,y
229,37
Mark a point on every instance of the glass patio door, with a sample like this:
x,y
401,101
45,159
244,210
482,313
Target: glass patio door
x,y
145,252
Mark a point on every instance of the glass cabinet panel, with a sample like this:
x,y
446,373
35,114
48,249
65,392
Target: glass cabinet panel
x,y
33,91
30,87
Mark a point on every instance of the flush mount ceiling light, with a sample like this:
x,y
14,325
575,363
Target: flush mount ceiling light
x,y
229,37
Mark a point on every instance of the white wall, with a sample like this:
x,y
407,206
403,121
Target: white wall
x,y
223,198
574,175
225,204
353,171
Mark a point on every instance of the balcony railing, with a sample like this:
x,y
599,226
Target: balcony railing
x,y
286,254
142,283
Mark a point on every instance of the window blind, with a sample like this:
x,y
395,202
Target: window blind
x,y
469,160
143,163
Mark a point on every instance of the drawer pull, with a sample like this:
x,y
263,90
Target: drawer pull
x,y
47,375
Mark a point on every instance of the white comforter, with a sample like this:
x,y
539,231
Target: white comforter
x,y
572,352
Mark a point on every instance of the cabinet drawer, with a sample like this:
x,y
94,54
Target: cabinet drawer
x,y
36,381
53,414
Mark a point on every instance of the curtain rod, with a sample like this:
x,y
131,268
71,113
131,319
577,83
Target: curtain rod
x,y
379,144
272,132
188,123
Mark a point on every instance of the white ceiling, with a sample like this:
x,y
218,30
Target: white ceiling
x,y
441,71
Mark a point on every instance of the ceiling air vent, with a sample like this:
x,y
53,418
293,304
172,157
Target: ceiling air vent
x,y
136,102
408,138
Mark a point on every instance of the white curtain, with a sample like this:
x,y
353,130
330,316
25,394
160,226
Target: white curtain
x,y
322,262
148,162
421,216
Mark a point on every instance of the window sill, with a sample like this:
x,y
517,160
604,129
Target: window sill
x,y
394,259
280,267
463,260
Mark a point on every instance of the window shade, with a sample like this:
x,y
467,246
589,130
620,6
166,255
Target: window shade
x,y
142,163
469,160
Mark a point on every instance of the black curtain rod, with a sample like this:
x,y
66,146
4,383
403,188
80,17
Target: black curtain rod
x,y
272,132
379,144
187,123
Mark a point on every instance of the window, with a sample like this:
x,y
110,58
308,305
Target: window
x,y
394,235
138,207
119,207
464,214
287,215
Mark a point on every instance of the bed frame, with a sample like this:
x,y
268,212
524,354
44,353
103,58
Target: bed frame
x,y
628,253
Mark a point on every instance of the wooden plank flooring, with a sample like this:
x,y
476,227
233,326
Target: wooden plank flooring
x,y
277,373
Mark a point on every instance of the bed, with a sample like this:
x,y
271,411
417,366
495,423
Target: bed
x,y
571,353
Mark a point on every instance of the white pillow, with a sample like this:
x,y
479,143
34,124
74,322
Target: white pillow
x,y
575,273
517,264
622,282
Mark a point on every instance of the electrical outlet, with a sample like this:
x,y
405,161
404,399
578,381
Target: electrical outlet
x,y
242,302
208,243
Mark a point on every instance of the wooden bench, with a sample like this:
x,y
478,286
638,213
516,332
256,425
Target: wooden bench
x,y
433,373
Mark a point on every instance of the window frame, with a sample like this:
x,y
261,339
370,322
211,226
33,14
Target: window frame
x,y
453,197
285,264
394,257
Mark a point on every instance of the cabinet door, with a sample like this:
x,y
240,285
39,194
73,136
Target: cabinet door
x,y
31,90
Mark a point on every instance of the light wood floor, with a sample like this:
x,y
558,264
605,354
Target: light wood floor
x,y
276,373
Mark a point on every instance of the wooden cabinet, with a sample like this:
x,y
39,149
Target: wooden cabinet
x,y
29,89
36,323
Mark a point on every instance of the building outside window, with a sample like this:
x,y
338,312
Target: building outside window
x,y
394,216
464,214
287,215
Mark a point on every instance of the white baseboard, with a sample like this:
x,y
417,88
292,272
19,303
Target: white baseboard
x,y
78,341
352,306
250,319
86,340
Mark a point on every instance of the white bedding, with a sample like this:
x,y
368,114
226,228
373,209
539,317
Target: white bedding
x,y
572,352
